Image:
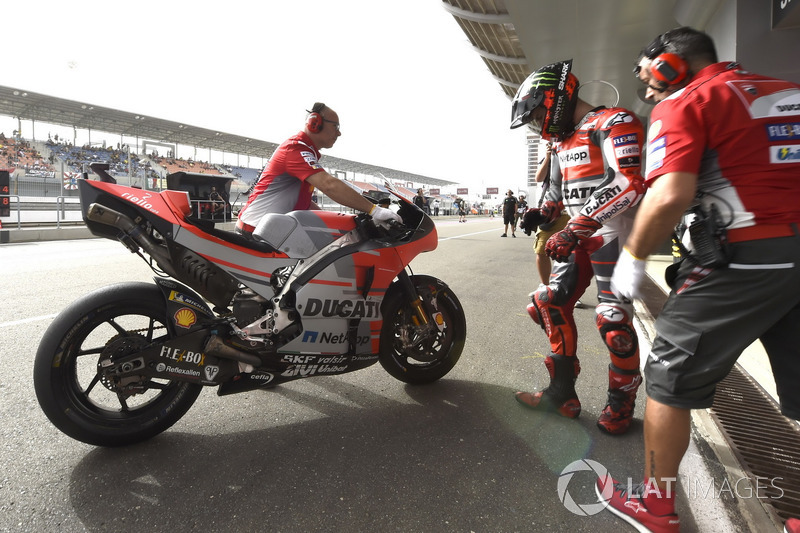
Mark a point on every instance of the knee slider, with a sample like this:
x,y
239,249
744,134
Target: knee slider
x,y
549,296
613,322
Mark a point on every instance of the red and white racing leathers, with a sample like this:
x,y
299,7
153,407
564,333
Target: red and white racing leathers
x,y
596,174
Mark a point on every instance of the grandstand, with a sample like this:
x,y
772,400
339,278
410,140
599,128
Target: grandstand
x,y
136,161
19,154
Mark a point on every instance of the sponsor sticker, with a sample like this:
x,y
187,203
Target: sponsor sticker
x,y
327,337
183,356
185,317
656,151
575,157
342,308
175,296
211,372
162,368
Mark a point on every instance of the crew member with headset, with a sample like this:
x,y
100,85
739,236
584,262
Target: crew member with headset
x,y
722,147
293,172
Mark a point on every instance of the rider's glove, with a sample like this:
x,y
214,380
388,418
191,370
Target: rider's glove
x,y
626,282
551,210
381,214
531,219
577,230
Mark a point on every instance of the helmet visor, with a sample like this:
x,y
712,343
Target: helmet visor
x,y
524,107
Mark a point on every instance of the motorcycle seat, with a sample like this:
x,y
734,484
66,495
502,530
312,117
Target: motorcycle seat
x,y
232,237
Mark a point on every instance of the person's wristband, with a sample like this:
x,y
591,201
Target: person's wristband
x,y
372,210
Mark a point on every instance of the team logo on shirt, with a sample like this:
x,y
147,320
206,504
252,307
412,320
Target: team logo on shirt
x,y
785,154
767,98
655,128
311,159
783,132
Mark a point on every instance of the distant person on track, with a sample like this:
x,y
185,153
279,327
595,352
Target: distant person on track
x,y
462,209
509,213
522,206
293,172
421,202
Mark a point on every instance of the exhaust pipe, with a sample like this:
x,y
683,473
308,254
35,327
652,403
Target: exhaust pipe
x,y
217,348
105,215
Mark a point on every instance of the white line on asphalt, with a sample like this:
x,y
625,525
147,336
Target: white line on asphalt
x,y
26,320
467,235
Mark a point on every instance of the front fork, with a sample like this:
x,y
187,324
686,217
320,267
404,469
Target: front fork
x,y
426,321
420,317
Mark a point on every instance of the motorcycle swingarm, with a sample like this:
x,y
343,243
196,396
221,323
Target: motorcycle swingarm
x,y
178,359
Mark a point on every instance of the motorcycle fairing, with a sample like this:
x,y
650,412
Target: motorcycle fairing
x,y
330,304
244,264
298,366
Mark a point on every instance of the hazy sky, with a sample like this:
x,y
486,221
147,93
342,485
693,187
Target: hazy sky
x,y
410,91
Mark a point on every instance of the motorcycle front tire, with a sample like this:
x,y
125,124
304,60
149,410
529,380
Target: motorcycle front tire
x,y
67,378
416,359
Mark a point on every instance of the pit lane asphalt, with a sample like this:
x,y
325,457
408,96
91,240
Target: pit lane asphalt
x,y
357,452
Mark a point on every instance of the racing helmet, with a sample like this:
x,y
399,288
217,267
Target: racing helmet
x,y
555,89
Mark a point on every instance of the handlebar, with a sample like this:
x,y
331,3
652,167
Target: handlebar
x,y
391,230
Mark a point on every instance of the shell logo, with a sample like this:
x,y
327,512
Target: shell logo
x,y
185,318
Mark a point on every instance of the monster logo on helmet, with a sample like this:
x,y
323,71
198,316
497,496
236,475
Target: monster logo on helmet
x,y
553,88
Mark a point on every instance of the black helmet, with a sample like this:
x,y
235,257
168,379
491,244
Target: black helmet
x,y
555,89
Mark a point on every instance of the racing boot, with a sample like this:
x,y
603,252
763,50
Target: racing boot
x,y
618,413
560,395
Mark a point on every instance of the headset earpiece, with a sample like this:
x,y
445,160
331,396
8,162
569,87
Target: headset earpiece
x,y
314,122
670,69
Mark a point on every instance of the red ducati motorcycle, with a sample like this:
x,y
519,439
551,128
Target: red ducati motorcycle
x,y
315,294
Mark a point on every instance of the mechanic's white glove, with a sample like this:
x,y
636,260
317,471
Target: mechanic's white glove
x,y
628,277
382,215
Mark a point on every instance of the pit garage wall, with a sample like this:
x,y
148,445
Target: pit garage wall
x,y
743,31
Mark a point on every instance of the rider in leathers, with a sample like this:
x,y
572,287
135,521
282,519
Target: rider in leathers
x,y
596,177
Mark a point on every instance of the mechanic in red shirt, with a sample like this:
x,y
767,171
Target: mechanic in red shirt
x,y
724,146
289,178
596,178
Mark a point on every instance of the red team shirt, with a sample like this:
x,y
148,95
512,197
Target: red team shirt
x,y
282,186
740,132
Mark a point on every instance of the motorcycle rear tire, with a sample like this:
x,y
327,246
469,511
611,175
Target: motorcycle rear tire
x,y
109,321
434,357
